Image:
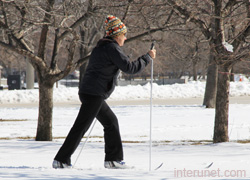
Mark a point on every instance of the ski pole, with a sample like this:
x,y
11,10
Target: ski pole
x,y
151,93
85,142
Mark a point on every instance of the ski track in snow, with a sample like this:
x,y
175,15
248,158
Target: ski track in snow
x,y
32,160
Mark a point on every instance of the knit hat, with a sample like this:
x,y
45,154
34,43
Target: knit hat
x,y
114,27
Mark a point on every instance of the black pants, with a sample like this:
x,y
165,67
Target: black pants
x,y
93,107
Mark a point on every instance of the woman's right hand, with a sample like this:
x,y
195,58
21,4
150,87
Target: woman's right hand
x,y
152,53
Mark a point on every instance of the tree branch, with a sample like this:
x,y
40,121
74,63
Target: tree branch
x,y
69,66
81,61
58,39
76,24
45,29
127,10
240,38
150,31
229,5
188,15
5,24
35,59
55,51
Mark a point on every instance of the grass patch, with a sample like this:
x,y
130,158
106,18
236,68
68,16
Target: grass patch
x,y
200,142
133,141
11,138
244,141
13,120
154,143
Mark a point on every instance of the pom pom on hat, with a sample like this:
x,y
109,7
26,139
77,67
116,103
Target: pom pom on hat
x,y
114,27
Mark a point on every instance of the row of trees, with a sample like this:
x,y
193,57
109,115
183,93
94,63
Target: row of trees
x,y
56,36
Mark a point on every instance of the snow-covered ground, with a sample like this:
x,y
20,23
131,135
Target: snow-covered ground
x,y
182,136
189,90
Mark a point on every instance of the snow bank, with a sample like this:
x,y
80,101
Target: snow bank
x,y
189,90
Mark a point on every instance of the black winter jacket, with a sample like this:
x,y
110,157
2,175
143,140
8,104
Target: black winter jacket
x,y
106,59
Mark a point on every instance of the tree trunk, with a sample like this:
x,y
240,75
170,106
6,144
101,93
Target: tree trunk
x,y
211,84
44,127
222,105
232,75
195,70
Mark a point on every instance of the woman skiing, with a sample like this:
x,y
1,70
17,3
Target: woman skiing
x,y
105,63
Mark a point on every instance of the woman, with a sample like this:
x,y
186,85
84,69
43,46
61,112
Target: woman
x,y
99,81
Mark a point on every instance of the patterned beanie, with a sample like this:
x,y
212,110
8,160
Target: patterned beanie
x,y
114,27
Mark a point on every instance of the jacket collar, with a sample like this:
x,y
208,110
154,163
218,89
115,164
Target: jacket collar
x,y
106,40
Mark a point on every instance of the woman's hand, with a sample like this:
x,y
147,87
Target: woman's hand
x,y
152,53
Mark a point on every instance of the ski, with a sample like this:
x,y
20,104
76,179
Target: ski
x,y
209,165
159,166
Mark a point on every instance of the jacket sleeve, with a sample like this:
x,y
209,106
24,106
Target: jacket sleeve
x,y
122,61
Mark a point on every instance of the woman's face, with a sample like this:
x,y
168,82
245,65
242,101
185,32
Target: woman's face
x,y
121,39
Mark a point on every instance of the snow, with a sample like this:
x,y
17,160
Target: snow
x,y
182,137
189,90
228,46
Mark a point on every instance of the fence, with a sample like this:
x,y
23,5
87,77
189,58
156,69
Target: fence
x,y
142,82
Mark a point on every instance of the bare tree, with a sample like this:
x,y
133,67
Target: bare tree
x,y
23,20
186,52
46,33
55,24
10,62
221,13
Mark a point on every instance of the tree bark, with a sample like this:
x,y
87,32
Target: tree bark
x,y
222,106
82,53
211,84
195,71
44,126
232,75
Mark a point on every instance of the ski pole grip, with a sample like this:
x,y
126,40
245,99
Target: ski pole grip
x,y
152,46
